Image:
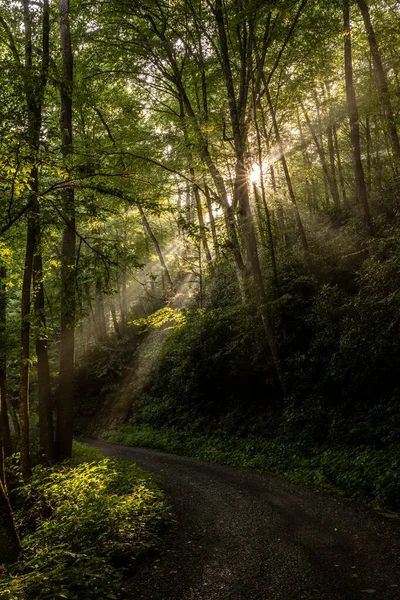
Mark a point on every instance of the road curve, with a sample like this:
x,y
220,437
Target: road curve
x,y
244,535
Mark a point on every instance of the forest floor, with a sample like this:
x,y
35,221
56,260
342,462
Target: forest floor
x,y
242,534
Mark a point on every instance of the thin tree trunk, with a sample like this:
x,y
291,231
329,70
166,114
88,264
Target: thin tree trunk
x,y
5,436
65,412
277,199
263,196
25,353
288,179
212,220
115,320
237,111
382,81
9,547
331,151
352,109
157,246
307,166
339,163
99,316
45,401
200,217
330,176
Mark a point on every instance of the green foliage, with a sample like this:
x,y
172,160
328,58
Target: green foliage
x,y
81,522
361,472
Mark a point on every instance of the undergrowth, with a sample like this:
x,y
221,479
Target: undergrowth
x,y
363,472
83,524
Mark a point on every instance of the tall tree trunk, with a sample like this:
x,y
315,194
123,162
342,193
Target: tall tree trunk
x,y
157,246
25,353
339,163
212,220
277,199
330,176
307,166
263,196
115,320
9,547
34,92
45,401
65,411
352,109
382,82
99,313
124,301
5,437
200,217
288,179
237,110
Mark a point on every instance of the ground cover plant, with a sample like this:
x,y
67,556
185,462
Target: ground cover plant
x,y
83,525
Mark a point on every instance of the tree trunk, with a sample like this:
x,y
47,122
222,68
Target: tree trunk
x,y
339,163
25,352
237,110
263,197
330,176
200,217
307,167
352,109
115,320
43,369
5,437
9,547
212,220
382,81
288,179
65,412
157,246
99,314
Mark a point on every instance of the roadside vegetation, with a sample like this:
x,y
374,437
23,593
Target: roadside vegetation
x,y
83,524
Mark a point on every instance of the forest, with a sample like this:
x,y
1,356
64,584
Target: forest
x,y
199,254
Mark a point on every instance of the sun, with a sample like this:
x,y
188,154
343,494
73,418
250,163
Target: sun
x,y
255,173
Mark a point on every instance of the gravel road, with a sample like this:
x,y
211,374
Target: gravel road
x,y
244,535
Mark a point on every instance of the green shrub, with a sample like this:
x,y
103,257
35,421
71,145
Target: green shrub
x,y
363,472
80,523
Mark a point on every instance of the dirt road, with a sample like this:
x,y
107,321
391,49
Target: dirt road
x,y
244,535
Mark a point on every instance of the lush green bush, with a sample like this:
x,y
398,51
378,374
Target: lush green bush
x,y
81,523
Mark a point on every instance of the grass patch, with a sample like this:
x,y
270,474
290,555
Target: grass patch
x,y
83,524
363,472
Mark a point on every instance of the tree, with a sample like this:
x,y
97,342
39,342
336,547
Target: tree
x,y
382,81
9,547
352,108
64,429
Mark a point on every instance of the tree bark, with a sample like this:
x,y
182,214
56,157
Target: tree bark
x,y
5,436
382,82
352,110
9,547
115,320
288,179
339,163
330,176
212,220
157,246
65,412
263,196
46,430
25,353
200,217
